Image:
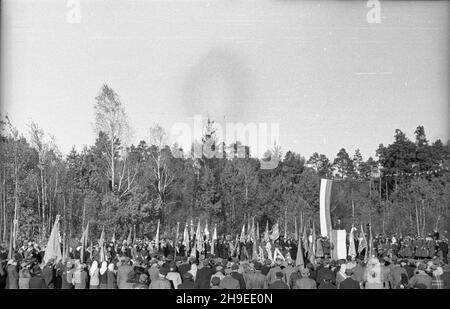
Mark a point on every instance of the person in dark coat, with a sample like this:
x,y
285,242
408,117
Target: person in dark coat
x,y
184,267
325,272
239,277
47,274
36,281
111,277
349,282
326,281
203,277
279,283
188,282
66,276
266,267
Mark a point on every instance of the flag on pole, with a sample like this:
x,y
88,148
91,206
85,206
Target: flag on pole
x,y
299,260
285,224
266,232
101,243
312,250
194,246
113,238
157,238
242,239
305,240
257,232
84,241
11,240
53,249
186,238
129,240
296,230
249,235
351,247
134,233
192,229
254,240
362,242
199,238
236,246
214,238
91,250
325,198
175,244
206,231
275,232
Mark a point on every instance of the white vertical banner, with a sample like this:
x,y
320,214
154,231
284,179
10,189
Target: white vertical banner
x,y
325,218
339,244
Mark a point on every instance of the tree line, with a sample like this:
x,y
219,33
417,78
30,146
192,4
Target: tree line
x,y
118,186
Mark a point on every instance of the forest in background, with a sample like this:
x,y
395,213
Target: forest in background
x,y
405,189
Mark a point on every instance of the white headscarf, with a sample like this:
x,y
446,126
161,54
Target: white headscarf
x,y
342,270
193,270
103,268
111,267
94,267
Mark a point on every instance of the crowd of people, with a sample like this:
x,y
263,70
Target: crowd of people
x,y
394,263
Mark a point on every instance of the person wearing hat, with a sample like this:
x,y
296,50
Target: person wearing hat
x,y
326,281
294,276
279,283
204,274
142,282
437,282
349,282
271,277
36,280
340,275
173,276
373,276
236,275
12,275
184,267
397,273
324,272
219,273
161,282
215,283
188,282
256,280
305,282
288,269
24,276
265,268
420,277
122,274
154,269
228,282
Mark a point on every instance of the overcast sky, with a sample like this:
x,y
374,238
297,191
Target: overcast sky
x,y
317,68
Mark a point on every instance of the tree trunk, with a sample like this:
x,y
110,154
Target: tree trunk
x,y
4,207
84,214
39,207
417,219
43,203
112,163
423,218
16,201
